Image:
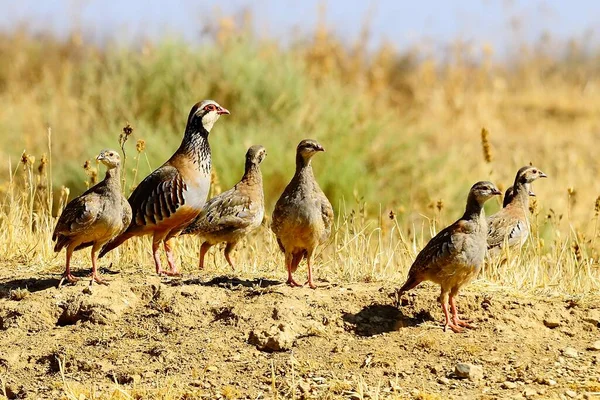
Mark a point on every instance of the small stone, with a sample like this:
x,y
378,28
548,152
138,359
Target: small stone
x,y
595,345
509,385
443,381
212,368
571,393
529,392
550,382
552,322
470,371
570,352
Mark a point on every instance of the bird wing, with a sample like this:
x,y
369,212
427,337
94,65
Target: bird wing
x,y
229,211
158,196
327,215
79,215
441,248
503,226
126,214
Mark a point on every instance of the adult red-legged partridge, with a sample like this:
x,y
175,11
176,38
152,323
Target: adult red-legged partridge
x,y
510,225
230,216
455,255
169,199
95,217
303,216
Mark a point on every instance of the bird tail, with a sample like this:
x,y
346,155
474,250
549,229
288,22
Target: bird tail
x,y
410,283
116,242
61,242
297,257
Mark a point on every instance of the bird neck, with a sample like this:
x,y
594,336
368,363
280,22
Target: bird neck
x,y
113,177
474,210
252,174
521,195
195,145
303,167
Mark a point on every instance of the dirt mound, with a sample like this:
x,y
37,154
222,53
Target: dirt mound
x,y
234,338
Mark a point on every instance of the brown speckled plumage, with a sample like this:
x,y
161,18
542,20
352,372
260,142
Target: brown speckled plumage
x,y
230,216
303,216
511,225
455,255
95,217
169,199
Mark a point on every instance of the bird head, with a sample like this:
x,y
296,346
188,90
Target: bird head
x,y
308,148
528,174
484,190
256,154
205,114
110,158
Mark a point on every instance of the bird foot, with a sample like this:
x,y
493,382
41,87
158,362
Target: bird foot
x,y
169,272
453,327
293,283
67,277
310,284
463,323
98,280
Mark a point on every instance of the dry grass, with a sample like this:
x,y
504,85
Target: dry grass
x,y
403,133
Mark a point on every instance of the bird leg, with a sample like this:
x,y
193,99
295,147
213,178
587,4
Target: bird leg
x,y
457,321
448,322
290,280
168,245
228,250
95,277
203,249
67,275
310,282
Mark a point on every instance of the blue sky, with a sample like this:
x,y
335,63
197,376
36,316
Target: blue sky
x,y
401,22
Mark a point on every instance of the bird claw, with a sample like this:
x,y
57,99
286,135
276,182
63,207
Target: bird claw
x,y
98,280
310,284
293,283
69,278
464,323
174,273
454,328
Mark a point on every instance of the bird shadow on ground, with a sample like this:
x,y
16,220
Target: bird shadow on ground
x,y
228,282
31,284
38,284
379,318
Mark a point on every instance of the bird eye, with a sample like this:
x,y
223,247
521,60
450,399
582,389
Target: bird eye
x,y
111,154
535,171
210,107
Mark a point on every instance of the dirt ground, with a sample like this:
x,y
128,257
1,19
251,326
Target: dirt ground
x,y
223,337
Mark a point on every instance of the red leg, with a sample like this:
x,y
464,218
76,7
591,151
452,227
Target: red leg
x,y
310,282
203,249
290,280
169,244
67,275
95,277
228,250
156,256
457,321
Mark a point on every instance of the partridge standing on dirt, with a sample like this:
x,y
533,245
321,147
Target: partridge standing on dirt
x,y
95,217
169,199
455,255
303,215
511,225
233,214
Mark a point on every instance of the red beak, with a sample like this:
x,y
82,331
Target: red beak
x,y
223,110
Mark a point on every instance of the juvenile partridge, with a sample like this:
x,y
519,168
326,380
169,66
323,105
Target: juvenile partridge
x,y
95,217
303,216
233,214
455,255
511,225
169,199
